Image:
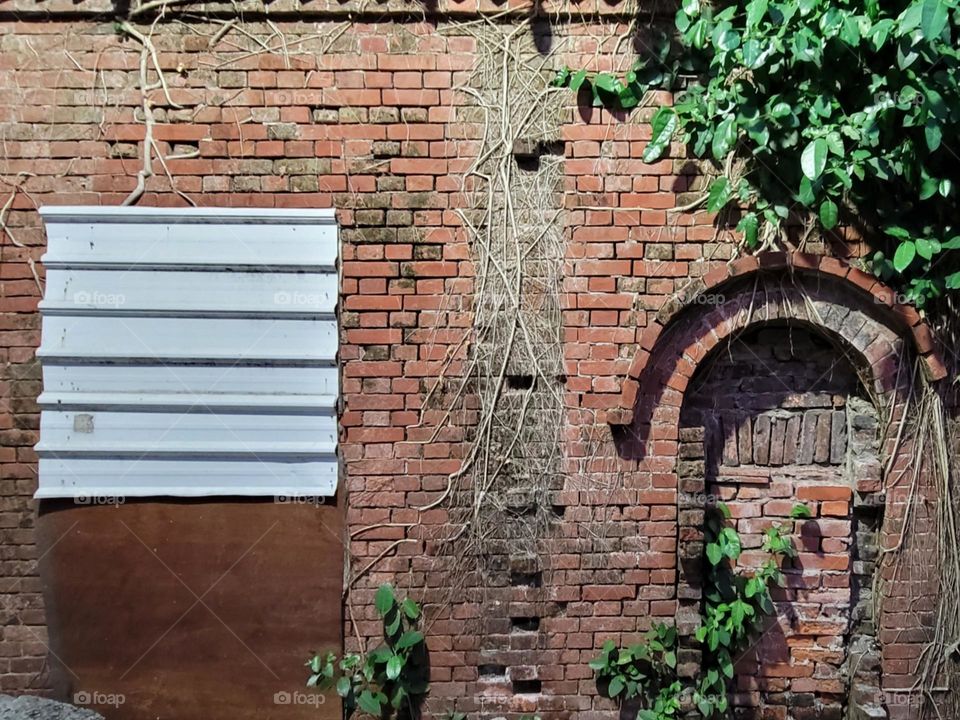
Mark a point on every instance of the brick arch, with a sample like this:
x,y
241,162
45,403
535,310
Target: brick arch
x,y
880,340
851,288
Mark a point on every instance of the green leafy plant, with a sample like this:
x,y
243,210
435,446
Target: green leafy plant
x,y
735,604
733,611
642,671
817,111
388,680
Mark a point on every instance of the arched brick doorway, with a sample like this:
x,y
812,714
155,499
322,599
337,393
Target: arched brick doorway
x,y
847,316
778,417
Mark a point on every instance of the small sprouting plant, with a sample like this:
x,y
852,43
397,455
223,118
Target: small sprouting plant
x,y
646,670
388,680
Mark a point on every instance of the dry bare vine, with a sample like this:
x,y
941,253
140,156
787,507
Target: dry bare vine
x,y
512,215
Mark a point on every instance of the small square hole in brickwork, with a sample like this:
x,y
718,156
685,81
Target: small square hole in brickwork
x,y
533,579
528,163
525,624
523,687
184,149
519,382
491,670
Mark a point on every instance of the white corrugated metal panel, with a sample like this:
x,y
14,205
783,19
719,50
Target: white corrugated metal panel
x,y
189,352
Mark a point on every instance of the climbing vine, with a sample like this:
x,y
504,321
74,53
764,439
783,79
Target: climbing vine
x,y
733,611
818,112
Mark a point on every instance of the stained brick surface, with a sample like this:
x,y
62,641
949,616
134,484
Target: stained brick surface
x,y
365,117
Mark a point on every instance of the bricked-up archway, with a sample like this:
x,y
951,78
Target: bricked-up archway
x,y
880,340
774,417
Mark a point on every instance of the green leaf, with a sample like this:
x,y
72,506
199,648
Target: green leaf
x,y
828,214
728,40
904,255
616,686
814,158
928,185
394,666
780,110
698,33
800,511
751,53
409,639
380,654
731,543
607,83
749,225
756,9
724,138
719,194
806,194
369,703
897,232
714,554
393,626
926,248
910,19
664,123
384,599
933,134
953,281
577,80
850,31
933,18
343,686
630,96
880,33
411,609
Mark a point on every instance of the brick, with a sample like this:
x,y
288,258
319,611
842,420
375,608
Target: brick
x,y
825,492
835,509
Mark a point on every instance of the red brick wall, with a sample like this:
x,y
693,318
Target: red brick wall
x,y
365,118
